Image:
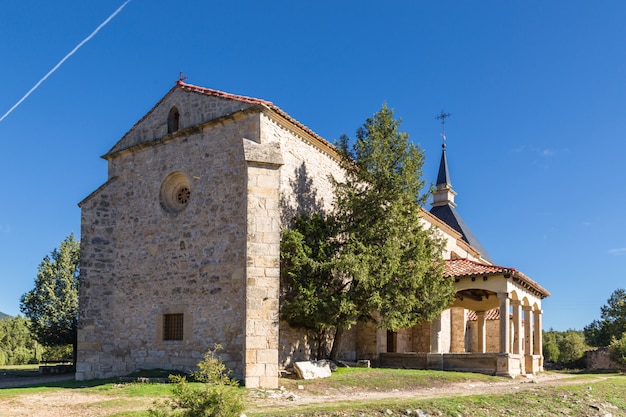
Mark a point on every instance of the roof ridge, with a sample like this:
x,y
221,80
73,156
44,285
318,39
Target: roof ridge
x,y
483,264
223,94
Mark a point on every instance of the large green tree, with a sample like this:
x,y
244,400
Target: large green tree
x,y
383,259
313,292
52,305
612,323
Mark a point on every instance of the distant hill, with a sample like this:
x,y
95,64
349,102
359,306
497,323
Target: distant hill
x,y
3,316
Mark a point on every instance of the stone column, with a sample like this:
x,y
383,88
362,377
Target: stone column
x,y
435,335
481,327
528,334
505,331
517,326
457,329
262,265
440,333
538,337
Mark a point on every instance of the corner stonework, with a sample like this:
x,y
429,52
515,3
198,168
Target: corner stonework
x,y
262,264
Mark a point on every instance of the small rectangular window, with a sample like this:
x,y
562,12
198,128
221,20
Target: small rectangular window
x,y
173,327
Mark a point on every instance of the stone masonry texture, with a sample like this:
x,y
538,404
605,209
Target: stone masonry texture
x,y
216,260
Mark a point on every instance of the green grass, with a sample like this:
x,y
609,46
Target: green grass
x,y
588,394
598,398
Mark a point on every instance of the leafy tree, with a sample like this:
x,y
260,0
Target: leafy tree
x,y
378,255
52,305
551,350
17,346
617,349
565,349
572,349
612,323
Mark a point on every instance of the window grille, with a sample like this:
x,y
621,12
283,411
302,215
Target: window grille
x,y
173,327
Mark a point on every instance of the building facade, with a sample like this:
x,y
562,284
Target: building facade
x,y
180,246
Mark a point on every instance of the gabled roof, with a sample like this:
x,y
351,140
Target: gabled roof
x,y
252,103
461,268
222,94
451,217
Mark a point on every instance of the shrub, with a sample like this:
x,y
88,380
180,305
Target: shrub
x,y
617,350
219,395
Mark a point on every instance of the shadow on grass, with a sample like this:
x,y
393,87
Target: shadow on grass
x,y
16,378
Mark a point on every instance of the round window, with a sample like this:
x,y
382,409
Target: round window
x,y
175,192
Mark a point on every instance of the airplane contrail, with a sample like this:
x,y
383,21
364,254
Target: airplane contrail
x,y
65,58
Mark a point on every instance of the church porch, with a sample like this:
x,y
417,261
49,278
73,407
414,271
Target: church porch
x,y
494,326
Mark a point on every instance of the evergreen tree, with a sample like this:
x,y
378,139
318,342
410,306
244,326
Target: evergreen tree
x,y
380,257
612,323
313,294
52,305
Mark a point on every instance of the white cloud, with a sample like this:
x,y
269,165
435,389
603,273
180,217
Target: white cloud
x,y
617,251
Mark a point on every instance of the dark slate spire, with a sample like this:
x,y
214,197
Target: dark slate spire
x,y
443,177
444,194
444,205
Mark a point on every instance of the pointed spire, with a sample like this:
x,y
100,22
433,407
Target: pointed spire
x,y
444,194
443,177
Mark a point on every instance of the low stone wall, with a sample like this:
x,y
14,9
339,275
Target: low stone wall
x,y
599,359
57,369
485,363
503,364
404,360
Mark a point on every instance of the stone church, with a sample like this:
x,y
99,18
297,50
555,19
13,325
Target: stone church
x,y
180,250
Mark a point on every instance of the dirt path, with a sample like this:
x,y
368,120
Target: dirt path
x,y
293,398
76,403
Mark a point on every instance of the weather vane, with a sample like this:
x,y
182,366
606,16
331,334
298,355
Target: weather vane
x,y
181,77
443,116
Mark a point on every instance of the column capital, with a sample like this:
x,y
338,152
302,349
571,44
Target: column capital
x,y
527,308
538,311
503,295
516,302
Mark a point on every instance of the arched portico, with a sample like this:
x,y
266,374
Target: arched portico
x,y
482,288
493,326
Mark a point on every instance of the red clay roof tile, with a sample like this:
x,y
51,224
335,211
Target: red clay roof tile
x,y
459,268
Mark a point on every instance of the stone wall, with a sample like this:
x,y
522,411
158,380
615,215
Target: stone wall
x,y
214,259
600,359
492,336
421,337
140,262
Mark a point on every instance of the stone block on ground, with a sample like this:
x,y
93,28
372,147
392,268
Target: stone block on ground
x,y
312,369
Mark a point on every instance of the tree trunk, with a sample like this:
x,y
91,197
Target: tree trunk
x,y
319,337
334,351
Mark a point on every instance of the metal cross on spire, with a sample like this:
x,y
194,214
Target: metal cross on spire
x,y
443,116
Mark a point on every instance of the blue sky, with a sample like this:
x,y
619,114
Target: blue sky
x,y
537,92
